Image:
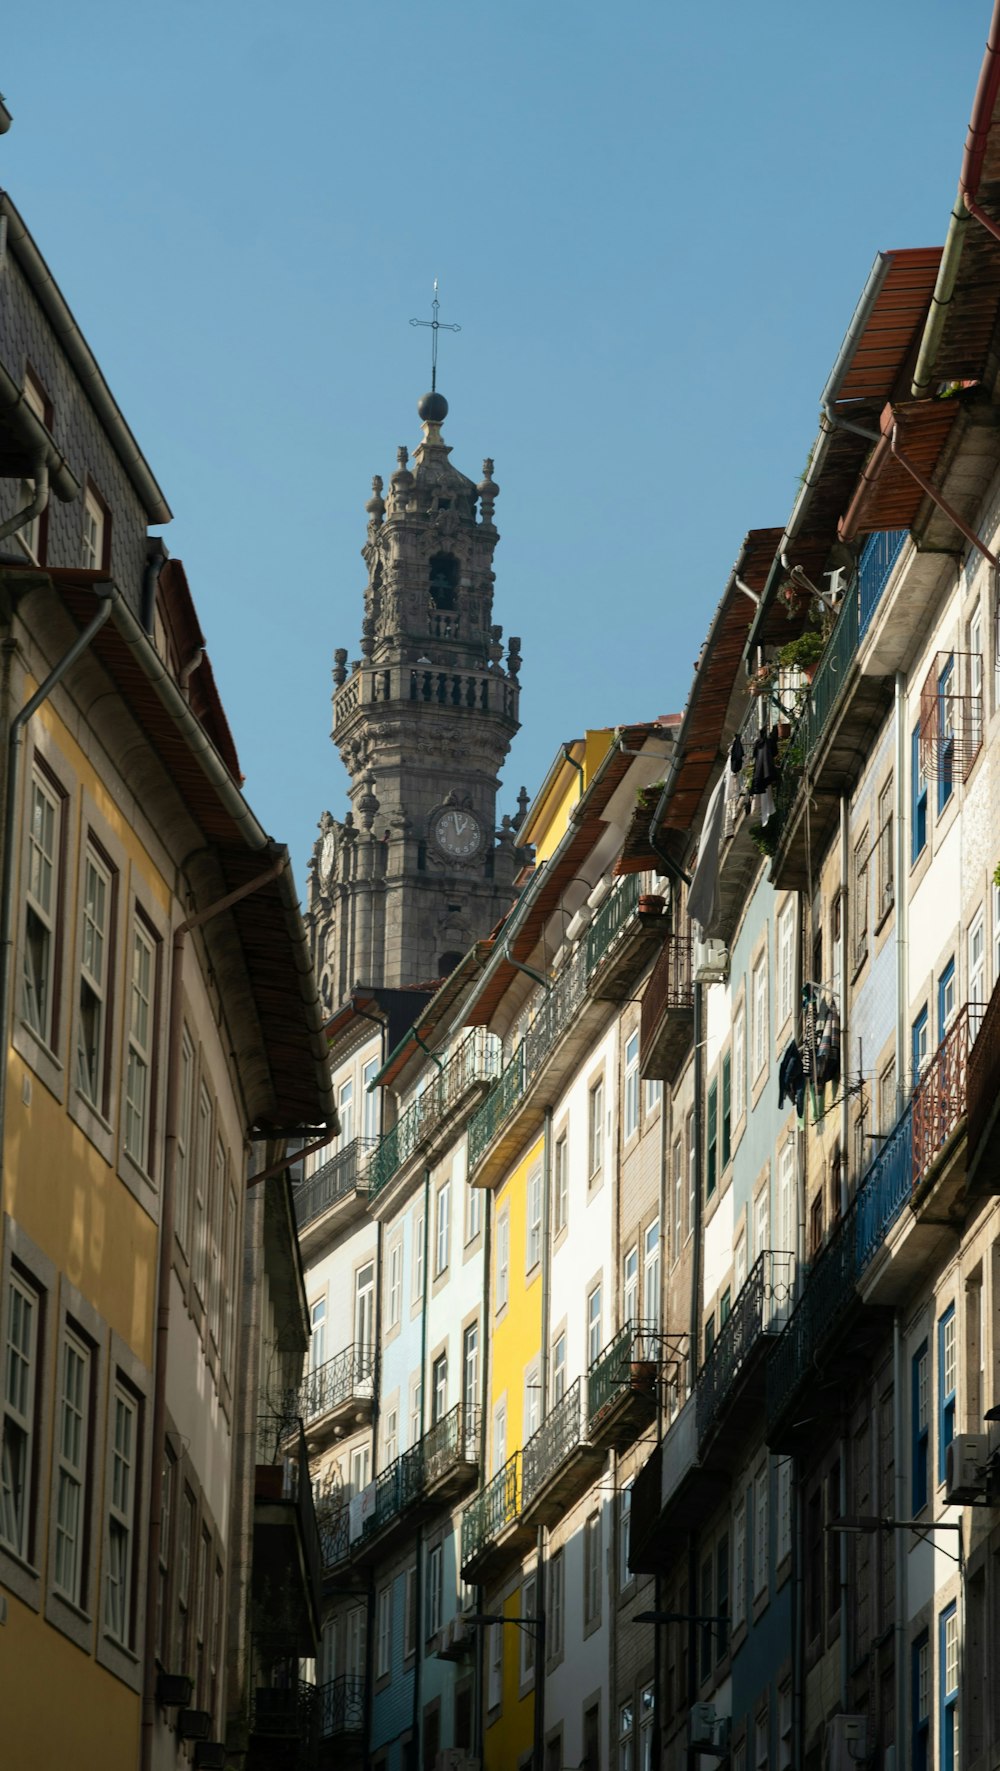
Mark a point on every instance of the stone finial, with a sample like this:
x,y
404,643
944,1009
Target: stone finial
x,y
368,635
487,490
340,666
376,503
514,656
522,807
368,805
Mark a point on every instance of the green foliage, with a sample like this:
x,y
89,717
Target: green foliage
x,y
802,653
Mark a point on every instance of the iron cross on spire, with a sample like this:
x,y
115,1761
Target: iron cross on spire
x,y
436,326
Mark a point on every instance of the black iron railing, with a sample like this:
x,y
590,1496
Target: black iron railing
x,y
562,1430
297,1486
828,1293
342,1705
554,1014
344,1173
454,1439
348,1375
611,1375
761,1307
493,1509
285,1712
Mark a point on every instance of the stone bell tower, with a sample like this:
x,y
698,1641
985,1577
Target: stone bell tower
x,y
423,720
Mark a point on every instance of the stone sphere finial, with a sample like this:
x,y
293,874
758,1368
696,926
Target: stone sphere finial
x,y
340,666
432,408
376,503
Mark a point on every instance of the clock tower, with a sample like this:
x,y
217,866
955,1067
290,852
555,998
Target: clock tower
x,y
418,869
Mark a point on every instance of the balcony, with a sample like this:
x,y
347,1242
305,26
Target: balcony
x,y
285,1712
983,1158
731,1383
667,1011
621,1387
493,1533
341,1718
535,1075
673,1494
558,1464
286,1546
451,1454
337,1396
339,1188
334,1525
939,1105
621,940
886,1264
435,1116
878,557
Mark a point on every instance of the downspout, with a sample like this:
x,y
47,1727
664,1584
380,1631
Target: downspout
x,y
697,1132
418,1669
156,559
36,504
108,594
485,1342
899,863
538,1755
899,1625
536,977
666,1100
171,1114
575,765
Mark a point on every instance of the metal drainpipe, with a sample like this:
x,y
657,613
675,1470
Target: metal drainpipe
x,y
899,1626
538,1753
36,503
899,862
842,1570
418,1669
798,1620
156,559
575,765
108,594
697,1129
536,977
171,1115
666,1100
485,1339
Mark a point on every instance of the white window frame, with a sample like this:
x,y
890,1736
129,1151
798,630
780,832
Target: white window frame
x,y
439,1388
594,1323
651,1274
558,1368
786,961
442,1229
503,1260
595,1131
630,1284
202,1159
739,1063
976,951
783,1547
17,1431
759,1053
630,1090
532,1400
533,1230
369,1099
625,1575
761,1531
473,1212
418,1257
739,1585
92,536
119,1622
345,1112
96,942
592,1569
495,1670
383,1633
141,1044
557,1602
560,1164
394,1301
42,893
529,1608
182,1157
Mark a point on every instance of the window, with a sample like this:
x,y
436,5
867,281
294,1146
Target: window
x,y
95,967
760,1524
470,1374
678,1196
345,1110
419,1237
631,1104
918,798
215,1219
595,1131
532,1401
626,1762
651,1275
740,1563
722,1596
394,1304
435,1588
761,1747
945,746
919,1038
182,1159
317,1333
503,1260
558,1368
885,860
887,1099
759,1000
29,535
624,1534
533,1235
42,908
473,1212
231,1278
977,971
692,1158
410,1611
712,1141
630,1285
121,1515
761,1215
364,1307
360,1459
920,1687
946,999
390,1438
920,1426
499,1436
141,1027
593,1324
442,1232
592,1569
654,1095
561,1184
785,1728
495,1671
94,525
646,1717
859,898
526,1638
786,962
947,1385
555,1607
184,1561
948,1656
203,1146
727,1109
439,1388
709,1333
20,1385
786,1196
740,1262
784,1544
739,1065
369,1099
163,1569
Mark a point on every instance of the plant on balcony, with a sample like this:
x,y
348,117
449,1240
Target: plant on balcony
x,y
795,599
762,679
805,652
765,836
996,874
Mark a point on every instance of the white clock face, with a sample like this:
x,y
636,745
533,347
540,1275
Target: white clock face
x,y
458,833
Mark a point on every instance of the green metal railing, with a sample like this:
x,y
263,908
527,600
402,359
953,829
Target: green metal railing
x,y
554,1014
343,1174
501,1100
610,1374
476,1060
560,1433
614,913
494,1508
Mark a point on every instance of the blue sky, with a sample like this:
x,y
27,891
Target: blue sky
x,y
652,220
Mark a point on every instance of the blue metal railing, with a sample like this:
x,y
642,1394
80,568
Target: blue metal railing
x,y
878,556
885,1189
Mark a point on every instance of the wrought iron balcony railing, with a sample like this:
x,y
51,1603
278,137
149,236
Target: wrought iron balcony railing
x,y
349,1374
454,1439
397,1488
828,1292
878,556
885,1189
554,1014
342,1705
670,987
335,1537
285,1712
560,1433
610,1376
762,1307
611,918
493,1509
939,1098
344,1173
476,1060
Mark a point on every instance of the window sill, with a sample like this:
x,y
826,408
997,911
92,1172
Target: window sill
x,y
20,1578
40,1058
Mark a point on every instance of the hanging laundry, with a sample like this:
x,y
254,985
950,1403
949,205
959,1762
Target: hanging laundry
x,y
703,892
792,1078
765,774
736,755
828,1044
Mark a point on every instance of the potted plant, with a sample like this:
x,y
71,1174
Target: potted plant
x,y
761,679
794,597
651,904
803,653
765,837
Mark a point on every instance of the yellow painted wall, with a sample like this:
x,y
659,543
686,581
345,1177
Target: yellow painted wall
x,y
548,818
78,1714
511,1734
517,1335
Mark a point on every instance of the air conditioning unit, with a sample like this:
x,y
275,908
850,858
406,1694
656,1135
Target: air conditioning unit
x,y
701,1727
711,962
965,1469
723,1734
846,1742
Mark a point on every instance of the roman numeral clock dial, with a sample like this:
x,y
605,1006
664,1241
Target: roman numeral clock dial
x,y
457,833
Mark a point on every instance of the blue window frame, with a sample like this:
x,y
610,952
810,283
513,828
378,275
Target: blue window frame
x,y
946,999
919,1046
920,1701
948,1685
946,732
711,1166
920,1425
918,800
947,1385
